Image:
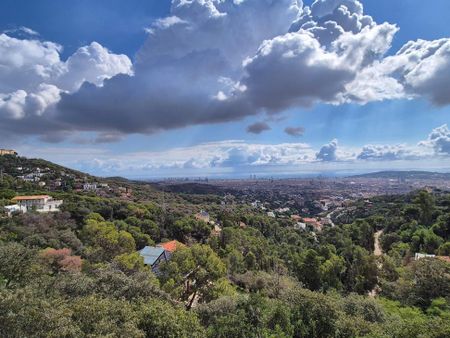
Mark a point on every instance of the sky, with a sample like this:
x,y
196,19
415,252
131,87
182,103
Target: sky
x,y
160,88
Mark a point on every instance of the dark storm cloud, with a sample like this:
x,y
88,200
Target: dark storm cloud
x,y
294,131
258,127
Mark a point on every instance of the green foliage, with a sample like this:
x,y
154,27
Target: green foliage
x,y
309,270
432,280
440,307
159,319
97,316
130,262
104,240
7,194
190,226
16,264
78,273
24,313
426,204
198,267
444,249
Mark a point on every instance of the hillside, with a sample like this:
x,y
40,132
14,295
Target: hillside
x,y
91,269
18,166
25,175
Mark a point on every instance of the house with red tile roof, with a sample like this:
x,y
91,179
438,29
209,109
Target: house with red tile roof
x,y
40,203
313,222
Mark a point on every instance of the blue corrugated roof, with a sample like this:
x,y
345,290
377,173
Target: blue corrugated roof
x,y
151,254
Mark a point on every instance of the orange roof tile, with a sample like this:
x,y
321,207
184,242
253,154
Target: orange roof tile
x,y
26,198
172,245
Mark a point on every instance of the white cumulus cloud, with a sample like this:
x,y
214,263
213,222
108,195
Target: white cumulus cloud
x,y
439,140
213,61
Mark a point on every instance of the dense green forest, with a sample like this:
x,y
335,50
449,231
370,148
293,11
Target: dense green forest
x,y
78,273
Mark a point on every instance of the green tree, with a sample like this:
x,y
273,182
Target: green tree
x,y
425,202
105,317
431,280
130,262
444,249
198,267
189,226
160,319
16,263
104,240
308,270
442,226
331,272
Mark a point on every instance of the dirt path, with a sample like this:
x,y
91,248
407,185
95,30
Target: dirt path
x,y
377,250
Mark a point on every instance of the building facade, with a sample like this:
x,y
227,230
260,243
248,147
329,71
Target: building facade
x,y
40,203
7,152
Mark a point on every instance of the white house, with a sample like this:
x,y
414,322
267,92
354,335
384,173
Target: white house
x,y
90,186
40,203
418,256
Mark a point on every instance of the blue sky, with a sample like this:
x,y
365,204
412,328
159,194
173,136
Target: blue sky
x,y
171,140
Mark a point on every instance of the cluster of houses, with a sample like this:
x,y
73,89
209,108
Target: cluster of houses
x,y
317,224
34,177
303,222
39,203
40,176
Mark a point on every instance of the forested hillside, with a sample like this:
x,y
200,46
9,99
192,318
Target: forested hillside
x,y
78,272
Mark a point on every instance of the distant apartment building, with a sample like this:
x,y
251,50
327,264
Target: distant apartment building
x,y
40,203
7,152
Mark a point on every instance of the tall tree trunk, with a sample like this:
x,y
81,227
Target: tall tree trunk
x,y
191,302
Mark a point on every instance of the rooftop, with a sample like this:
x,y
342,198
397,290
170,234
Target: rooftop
x,y
151,254
28,198
171,246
